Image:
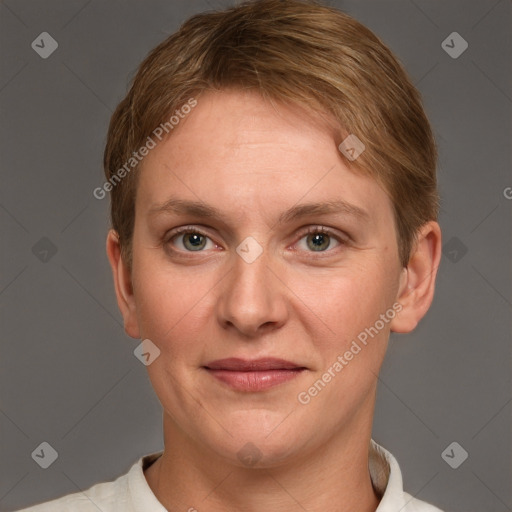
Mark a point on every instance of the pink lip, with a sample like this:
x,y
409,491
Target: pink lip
x,y
255,375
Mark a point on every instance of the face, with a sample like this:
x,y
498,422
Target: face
x,y
259,273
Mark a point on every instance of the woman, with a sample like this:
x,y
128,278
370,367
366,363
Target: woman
x,y
274,217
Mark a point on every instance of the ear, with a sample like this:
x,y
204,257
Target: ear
x,y
123,285
417,282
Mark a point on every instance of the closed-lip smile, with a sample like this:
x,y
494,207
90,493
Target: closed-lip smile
x,y
254,374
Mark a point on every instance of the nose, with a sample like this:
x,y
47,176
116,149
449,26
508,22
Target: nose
x,y
253,298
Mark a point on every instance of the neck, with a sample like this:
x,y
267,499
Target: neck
x,y
333,476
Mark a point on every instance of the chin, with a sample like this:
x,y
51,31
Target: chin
x,y
261,440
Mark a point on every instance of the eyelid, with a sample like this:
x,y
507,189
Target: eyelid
x,y
342,240
185,229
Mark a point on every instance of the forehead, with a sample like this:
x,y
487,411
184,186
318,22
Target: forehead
x,y
230,119
237,151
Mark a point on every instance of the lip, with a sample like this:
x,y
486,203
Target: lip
x,y
253,375
252,365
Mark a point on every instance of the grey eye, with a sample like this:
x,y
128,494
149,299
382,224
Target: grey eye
x,y
318,241
194,241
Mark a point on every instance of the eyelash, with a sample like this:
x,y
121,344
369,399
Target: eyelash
x,y
312,230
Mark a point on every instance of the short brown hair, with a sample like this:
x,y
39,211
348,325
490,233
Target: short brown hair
x,y
293,51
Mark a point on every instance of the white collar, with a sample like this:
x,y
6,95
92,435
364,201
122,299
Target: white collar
x,y
384,472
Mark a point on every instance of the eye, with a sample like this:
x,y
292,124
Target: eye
x,y
319,239
188,239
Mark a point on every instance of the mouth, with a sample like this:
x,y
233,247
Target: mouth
x,y
253,375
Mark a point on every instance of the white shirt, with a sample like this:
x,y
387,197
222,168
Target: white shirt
x,y
131,492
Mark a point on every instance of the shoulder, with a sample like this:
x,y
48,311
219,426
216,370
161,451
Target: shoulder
x,y
415,505
387,481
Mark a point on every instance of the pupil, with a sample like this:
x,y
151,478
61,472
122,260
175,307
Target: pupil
x,y
194,240
319,241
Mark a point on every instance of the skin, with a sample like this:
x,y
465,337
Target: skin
x,y
253,160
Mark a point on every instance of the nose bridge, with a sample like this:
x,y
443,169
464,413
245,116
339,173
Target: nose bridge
x,y
252,296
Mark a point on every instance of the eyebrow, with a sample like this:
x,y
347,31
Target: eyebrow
x,y
199,209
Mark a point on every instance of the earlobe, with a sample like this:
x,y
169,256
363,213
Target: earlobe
x,y
417,282
123,285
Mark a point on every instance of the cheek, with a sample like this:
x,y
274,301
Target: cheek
x,y
169,304
171,312
350,303
353,349
342,302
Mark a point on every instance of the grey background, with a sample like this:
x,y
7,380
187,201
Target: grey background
x,y
68,375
